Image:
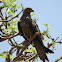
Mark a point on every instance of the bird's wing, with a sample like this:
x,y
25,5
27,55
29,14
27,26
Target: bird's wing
x,y
34,27
20,30
37,42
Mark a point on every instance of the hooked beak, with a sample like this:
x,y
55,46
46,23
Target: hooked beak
x,y
32,11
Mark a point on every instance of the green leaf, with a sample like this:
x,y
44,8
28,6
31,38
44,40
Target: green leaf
x,y
21,4
32,14
12,0
27,61
22,45
52,42
34,18
47,26
4,11
34,49
31,50
45,40
3,56
12,57
7,2
9,27
9,11
18,6
6,31
16,30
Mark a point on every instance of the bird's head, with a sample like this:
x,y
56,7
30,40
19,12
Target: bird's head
x,y
28,10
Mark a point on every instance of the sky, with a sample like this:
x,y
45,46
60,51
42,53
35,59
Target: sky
x,y
48,12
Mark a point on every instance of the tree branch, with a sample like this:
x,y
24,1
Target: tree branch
x,y
27,44
4,38
32,57
11,18
58,59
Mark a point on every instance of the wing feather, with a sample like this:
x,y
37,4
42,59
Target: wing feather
x,y
20,30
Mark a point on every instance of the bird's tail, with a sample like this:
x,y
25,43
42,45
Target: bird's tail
x,y
48,50
41,50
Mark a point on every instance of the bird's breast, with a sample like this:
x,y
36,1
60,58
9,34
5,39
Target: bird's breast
x,y
26,30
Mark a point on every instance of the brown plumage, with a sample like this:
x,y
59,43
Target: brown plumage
x,y
27,28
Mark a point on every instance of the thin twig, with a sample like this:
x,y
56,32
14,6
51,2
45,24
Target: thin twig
x,y
4,38
56,38
12,50
58,59
1,17
31,57
55,41
8,58
11,18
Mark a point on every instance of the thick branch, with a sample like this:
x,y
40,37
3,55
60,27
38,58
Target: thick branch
x,y
28,43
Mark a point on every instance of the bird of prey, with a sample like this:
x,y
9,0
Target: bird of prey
x,y
27,28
